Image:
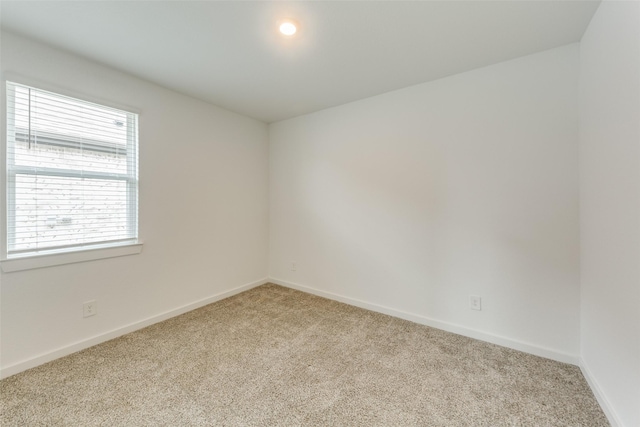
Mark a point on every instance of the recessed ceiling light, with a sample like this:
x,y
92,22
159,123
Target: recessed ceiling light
x,y
288,27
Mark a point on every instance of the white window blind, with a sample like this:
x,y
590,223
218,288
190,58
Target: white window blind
x,y
72,171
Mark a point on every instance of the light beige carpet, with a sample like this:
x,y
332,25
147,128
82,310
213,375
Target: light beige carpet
x,y
275,356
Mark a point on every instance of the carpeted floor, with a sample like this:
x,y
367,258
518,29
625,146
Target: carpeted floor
x,y
276,356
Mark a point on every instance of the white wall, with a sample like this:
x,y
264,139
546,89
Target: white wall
x,y
410,201
203,214
610,208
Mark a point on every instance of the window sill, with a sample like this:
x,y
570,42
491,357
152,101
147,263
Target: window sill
x,y
49,260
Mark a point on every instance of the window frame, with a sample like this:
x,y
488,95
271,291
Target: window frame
x,y
24,260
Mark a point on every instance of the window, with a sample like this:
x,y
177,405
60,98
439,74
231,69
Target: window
x,y
72,174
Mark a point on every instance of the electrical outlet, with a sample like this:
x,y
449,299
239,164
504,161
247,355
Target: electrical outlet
x,y
89,309
475,302
294,266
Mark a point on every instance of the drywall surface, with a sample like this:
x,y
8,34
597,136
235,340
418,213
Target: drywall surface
x,y
202,213
610,208
413,200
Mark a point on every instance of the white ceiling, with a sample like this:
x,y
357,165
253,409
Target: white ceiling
x,y
230,54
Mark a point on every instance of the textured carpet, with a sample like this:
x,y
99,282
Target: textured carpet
x,y
275,356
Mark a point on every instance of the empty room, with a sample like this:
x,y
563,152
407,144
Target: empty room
x,y
309,213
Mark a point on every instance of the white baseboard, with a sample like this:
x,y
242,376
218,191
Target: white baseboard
x,y
7,371
613,418
446,326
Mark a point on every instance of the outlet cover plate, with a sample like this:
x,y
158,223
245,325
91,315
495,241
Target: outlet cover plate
x,y
475,302
89,308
